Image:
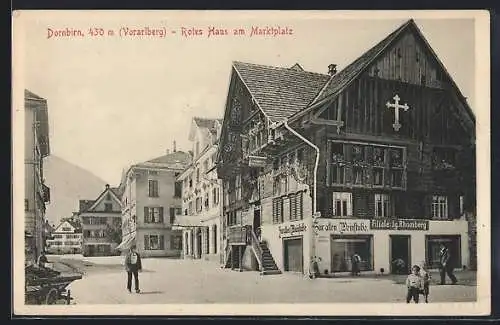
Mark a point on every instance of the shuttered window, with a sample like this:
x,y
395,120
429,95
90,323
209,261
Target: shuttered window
x,y
296,207
278,210
153,214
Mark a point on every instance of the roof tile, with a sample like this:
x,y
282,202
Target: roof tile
x,y
280,92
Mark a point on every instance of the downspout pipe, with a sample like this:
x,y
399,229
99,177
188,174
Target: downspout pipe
x,y
316,164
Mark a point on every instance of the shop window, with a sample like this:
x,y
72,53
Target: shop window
x,y
439,207
433,247
382,205
154,242
342,204
345,246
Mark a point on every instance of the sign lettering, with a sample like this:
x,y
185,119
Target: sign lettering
x,y
399,224
290,230
350,226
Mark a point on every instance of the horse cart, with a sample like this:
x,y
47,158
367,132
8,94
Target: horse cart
x,y
44,286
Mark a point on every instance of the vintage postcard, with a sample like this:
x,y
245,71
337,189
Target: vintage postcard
x,y
314,163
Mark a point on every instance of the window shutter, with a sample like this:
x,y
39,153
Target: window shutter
x,y
300,207
146,215
161,214
146,242
162,241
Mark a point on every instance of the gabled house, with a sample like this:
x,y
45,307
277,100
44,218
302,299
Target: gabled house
x,y
150,201
200,218
101,223
376,159
66,239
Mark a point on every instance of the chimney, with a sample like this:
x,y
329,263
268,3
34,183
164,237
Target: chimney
x,y
332,69
175,149
107,186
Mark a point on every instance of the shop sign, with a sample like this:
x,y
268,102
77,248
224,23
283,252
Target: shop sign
x,y
290,230
399,224
257,161
342,226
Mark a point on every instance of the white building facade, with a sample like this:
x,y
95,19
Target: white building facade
x,y
67,239
201,207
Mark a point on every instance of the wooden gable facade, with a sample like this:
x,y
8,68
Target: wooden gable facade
x,y
403,160
241,116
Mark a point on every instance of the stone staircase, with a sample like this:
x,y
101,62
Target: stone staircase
x,y
268,264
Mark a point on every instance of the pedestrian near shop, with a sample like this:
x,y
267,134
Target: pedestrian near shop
x,y
414,284
446,267
133,266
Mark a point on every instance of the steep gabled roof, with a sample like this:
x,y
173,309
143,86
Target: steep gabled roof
x,y
88,205
118,191
85,205
341,80
350,72
280,92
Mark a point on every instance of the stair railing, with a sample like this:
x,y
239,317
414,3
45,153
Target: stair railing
x,y
255,244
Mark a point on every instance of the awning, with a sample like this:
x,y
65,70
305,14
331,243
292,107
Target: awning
x,y
187,221
126,242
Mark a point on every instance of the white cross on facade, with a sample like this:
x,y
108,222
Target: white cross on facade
x,y
396,107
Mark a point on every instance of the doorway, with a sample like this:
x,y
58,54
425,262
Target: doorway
x,y
256,221
198,243
293,255
400,254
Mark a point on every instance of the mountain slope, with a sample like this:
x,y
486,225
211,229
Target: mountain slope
x,y
68,184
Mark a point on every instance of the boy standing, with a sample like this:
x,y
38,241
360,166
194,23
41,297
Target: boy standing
x,y
133,265
415,285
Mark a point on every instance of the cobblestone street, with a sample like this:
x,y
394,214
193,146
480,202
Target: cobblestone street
x,y
166,281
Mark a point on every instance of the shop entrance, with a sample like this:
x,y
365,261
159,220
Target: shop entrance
x,y
293,255
400,254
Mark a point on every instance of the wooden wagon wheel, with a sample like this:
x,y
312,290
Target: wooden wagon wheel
x,y
51,297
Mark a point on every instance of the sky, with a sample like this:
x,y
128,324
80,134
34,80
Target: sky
x,y
117,101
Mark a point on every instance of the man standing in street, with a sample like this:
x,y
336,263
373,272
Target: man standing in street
x,y
133,266
446,267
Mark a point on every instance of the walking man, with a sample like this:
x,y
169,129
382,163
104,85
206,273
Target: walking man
x,y
446,268
133,266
